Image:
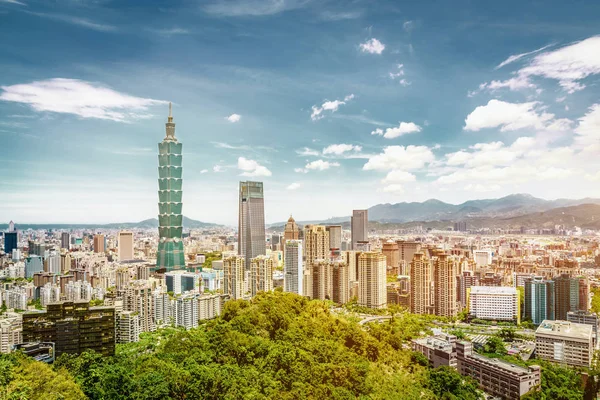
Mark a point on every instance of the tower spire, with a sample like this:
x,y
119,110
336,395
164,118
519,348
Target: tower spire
x,y
170,125
170,112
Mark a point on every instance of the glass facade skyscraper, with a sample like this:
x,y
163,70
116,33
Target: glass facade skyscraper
x,y
170,253
251,224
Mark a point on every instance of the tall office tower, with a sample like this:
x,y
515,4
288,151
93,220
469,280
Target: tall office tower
x,y
335,236
170,254
11,226
372,280
391,251
291,232
251,225
33,264
139,298
128,327
126,246
420,284
321,275
539,300
65,240
11,242
341,283
316,243
566,296
293,267
359,224
276,240
407,251
99,241
233,276
261,274
445,270
460,226
584,294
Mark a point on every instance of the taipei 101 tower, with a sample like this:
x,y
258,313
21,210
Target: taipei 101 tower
x,y
170,253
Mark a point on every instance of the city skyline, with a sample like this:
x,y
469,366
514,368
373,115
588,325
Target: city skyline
x,y
438,106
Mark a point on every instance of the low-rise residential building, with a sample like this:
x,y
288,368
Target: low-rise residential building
x,y
496,377
439,350
565,342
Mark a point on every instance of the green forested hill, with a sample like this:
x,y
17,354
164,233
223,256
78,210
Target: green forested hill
x,y
276,346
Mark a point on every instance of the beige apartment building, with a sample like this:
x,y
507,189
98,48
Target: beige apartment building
x,y
421,275
125,246
372,290
445,270
261,275
233,277
316,243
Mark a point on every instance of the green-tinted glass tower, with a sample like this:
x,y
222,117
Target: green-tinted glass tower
x,y
170,254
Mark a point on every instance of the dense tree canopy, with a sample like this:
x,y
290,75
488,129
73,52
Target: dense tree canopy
x,y
278,345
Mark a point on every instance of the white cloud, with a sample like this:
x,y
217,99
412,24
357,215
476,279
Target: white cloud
x,y
588,129
293,186
402,129
494,153
399,176
408,26
394,188
568,65
400,158
338,149
481,188
13,2
85,23
517,57
240,8
252,168
398,73
372,46
218,168
204,171
305,151
301,170
320,165
317,112
81,98
233,118
507,116
171,31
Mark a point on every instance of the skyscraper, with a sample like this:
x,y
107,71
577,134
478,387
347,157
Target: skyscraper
x,y
335,236
251,226
233,277
291,232
293,267
99,243
539,300
125,246
566,296
445,270
261,275
65,240
316,243
372,280
359,224
170,253
11,242
420,284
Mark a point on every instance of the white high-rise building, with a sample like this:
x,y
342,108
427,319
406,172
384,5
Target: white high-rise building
x,y
498,303
293,267
125,246
49,293
128,327
186,311
234,272
11,331
482,258
138,297
162,309
372,280
261,275
209,306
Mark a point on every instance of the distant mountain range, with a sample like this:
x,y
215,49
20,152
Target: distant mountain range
x,y
145,224
515,210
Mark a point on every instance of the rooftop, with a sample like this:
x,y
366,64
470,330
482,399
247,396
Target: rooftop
x,y
493,290
565,329
515,369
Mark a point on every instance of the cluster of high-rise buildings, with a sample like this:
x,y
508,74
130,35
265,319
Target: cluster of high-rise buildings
x,y
84,289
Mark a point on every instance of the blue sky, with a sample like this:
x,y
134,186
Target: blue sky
x,y
335,105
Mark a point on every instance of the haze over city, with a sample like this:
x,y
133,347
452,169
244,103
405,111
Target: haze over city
x,y
344,105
